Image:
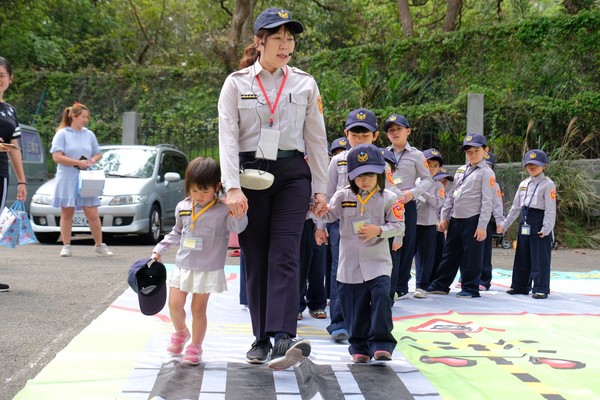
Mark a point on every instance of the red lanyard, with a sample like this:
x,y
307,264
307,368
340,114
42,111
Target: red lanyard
x,y
273,106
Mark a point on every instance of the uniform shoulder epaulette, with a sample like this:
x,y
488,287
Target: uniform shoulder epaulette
x,y
244,71
299,71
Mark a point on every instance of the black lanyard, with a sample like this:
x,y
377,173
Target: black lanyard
x,y
525,209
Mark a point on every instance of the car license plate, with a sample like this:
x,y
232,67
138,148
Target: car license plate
x,y
79,220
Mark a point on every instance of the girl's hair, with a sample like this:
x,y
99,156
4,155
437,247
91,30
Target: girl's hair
x,y
69,113
251,53
204,173
380,183
6,64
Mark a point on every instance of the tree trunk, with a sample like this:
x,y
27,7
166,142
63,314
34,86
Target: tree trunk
x,y
574,6
241,26
452,15
405,19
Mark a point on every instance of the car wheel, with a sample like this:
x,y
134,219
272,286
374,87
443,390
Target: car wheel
x,y
47,237
155,225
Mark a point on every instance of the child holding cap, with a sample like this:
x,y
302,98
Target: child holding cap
x,y
201,233
369,215
465,215
535,200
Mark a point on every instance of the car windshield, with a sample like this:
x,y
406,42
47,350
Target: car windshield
x,y
127,162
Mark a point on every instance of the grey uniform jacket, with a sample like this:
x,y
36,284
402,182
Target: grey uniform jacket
x,y
244,111
472,193
536,192
360,262
337,173
410,165
212,227
429,204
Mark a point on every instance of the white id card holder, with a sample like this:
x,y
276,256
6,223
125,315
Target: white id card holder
x,y
397,180
191,242
268,144
457,193
358,224
525,229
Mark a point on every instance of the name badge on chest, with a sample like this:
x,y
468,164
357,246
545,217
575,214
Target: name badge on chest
x,y
457,193
191,242
268,144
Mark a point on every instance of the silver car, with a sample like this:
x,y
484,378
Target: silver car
x,y
143,186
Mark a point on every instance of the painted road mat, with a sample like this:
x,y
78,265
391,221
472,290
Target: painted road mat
x,y
494,347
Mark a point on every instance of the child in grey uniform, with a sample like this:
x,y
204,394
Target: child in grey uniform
x,y
428,206
201,232
465,215
368,214
535,200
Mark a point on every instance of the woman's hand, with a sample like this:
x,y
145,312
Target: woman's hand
x,y
237,202
320,207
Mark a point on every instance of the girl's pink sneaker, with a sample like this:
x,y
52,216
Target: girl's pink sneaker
x,y
178,340
192,354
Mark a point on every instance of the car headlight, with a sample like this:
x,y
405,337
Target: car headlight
x,y
126,199
41,199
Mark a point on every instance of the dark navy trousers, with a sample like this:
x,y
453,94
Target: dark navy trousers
x,y
313,259
367,310
403,258
461,249
531,268
335,310
271,245
425,254
486,268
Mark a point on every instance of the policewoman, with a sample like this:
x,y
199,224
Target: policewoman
x,y
270,114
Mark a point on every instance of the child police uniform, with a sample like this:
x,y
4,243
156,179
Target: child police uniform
x,y
428,206
496,219
467,209
364,268
535,200
410,165
338,179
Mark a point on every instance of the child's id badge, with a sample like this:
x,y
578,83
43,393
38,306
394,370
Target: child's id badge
x,y
358,224
397,180
525,229
457,193
191,242
268,144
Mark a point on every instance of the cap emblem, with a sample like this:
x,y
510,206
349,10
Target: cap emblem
x,y
435,152
393,118
361,116
343,142
487,156
283,14
468,138
362,157
532,155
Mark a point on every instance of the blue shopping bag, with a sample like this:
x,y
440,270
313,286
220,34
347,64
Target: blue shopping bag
x,y
20,231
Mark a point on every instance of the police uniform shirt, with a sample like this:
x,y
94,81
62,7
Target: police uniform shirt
x,y
535,192
337,173
429,204
244,111
410,165
9,130
498,205
210,236
359,261
472,194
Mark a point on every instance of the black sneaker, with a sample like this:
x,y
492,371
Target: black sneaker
x,y
514,291
288,352
3,287
539,295
259,351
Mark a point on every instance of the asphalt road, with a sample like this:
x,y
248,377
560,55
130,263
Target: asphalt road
x,y
53,298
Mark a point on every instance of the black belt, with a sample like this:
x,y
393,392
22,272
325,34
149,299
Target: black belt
x,y
280,153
